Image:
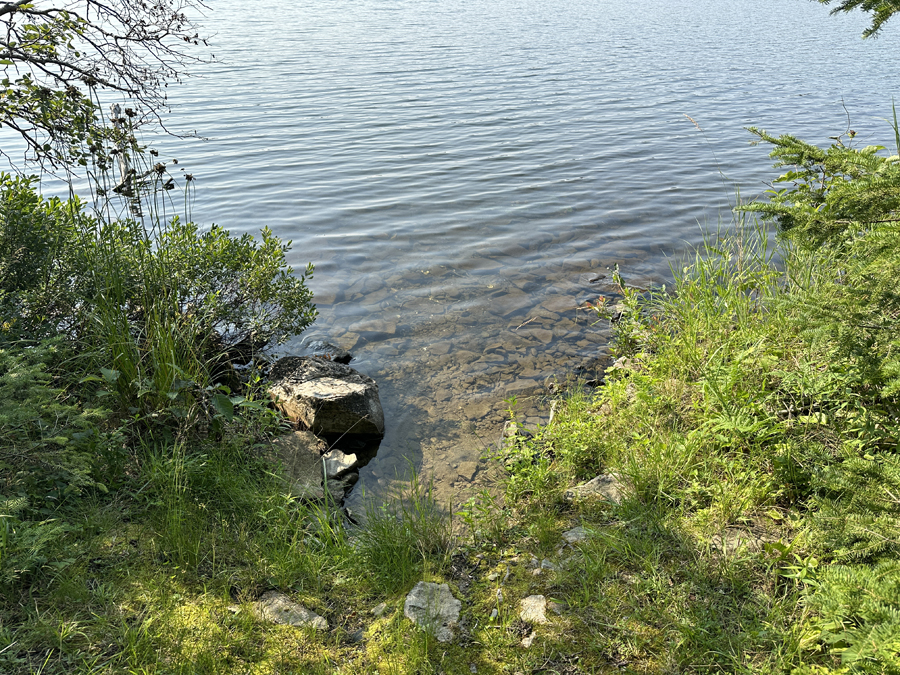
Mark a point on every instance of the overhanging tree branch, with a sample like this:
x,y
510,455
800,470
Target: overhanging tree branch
x,y
57,55
881,11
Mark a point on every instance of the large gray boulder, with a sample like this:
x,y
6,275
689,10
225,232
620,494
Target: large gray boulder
x,y
326,397
433,608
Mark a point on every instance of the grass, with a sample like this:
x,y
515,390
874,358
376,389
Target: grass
x,y
755,532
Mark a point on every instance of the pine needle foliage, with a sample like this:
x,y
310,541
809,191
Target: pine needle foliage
x,y
859,616
858,510
881,11
840,207
832,193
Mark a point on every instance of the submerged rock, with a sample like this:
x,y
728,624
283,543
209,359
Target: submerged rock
x,y
328,351
279,608
326,397
433,608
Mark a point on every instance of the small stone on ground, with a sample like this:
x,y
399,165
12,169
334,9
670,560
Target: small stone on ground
x,y
528,641
533,609
575,535
605,486
278,608
733,539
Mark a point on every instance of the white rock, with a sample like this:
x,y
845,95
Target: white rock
x,y
337,463
279,608
528,641
533,609
379,609
433,608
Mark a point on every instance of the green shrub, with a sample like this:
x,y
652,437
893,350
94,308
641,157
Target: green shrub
x,y
38,238
162,309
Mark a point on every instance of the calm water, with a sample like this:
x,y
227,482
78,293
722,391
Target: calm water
x,y
459,171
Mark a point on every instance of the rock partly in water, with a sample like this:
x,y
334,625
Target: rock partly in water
x,y
337,463
533,609
326,397
311,471
300,455
605,486
338,489
626,364
433,608
279,608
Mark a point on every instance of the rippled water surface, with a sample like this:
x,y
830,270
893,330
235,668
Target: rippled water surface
x,y
461,172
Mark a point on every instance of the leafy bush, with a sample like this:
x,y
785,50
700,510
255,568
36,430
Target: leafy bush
x,y
162,309
241,291
38,239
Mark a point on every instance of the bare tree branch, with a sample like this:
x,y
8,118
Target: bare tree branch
x,y
55,55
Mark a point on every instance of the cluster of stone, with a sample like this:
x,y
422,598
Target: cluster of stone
x,y
334,408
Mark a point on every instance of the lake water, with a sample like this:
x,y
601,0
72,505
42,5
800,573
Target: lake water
x,y
459,172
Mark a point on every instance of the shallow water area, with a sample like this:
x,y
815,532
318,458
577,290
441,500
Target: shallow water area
x,y
456,351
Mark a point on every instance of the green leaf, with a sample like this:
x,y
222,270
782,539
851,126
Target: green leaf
x,y
223,406
110,375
